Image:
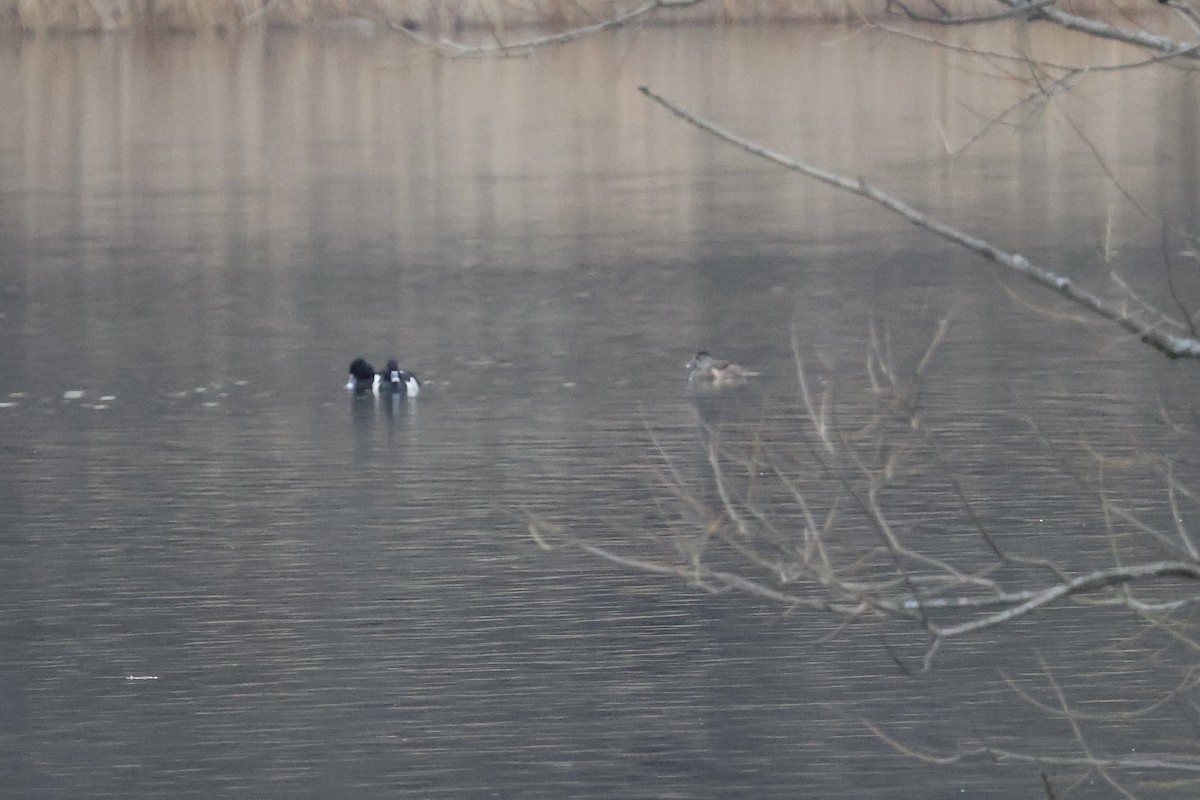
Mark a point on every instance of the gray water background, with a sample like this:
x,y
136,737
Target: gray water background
x,y
338,597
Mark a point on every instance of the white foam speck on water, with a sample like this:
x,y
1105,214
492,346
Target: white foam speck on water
x,y
211,404
108,398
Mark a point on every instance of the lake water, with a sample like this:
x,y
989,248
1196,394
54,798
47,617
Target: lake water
x,y
224,575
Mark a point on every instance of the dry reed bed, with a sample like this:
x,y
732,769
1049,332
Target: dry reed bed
x,y
84,16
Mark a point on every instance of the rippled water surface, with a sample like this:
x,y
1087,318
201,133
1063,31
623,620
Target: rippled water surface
x,y
223,575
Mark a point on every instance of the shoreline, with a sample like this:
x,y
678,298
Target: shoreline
x,y
440,17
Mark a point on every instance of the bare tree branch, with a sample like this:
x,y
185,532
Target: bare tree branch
x,y
993,55
1100,579
1148,331
1103,30
979,19
458,50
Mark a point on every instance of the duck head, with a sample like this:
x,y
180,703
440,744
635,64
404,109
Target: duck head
x,y
703,360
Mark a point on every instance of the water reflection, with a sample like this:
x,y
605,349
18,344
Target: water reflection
x,y
337,593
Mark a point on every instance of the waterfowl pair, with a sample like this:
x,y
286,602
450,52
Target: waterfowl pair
x,y
709,375
393,379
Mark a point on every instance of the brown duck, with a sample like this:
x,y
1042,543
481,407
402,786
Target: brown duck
x,y
712,375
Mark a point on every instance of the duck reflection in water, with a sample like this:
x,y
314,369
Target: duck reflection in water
x,y
724,403
381,417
